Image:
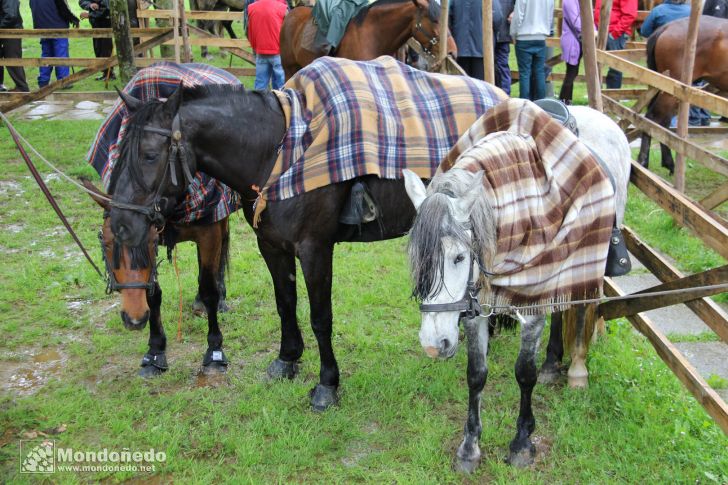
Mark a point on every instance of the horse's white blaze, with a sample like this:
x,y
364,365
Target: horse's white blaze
x,y
439,330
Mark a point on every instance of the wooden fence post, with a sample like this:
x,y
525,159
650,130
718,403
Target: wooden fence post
x,y
444,17
122,39
588,46
687,78
186,50
488,57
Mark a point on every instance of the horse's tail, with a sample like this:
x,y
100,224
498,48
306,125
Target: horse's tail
x,y
651,43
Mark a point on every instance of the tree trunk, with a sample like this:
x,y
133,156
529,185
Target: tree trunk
x,y
120,24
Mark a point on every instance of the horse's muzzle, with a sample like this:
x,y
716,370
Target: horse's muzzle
x,y
132,324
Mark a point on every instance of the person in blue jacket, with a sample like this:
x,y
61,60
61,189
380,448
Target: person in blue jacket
x,y
52,14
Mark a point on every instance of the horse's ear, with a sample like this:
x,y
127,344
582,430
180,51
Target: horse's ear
x,y
414,187
465,203
131,103
171,106
96,194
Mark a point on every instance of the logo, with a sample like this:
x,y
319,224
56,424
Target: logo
x,y
37,457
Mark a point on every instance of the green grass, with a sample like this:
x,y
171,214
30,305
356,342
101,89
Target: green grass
x,y
401,414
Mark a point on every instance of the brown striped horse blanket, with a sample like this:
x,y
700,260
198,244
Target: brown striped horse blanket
x,y
553,204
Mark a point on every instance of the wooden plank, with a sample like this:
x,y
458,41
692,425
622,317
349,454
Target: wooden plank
x,y
487,31
663,135
680,90
678,364
556,42
693,287
631,54
248,56
685,212
77,76
51,61
624,93
191,15
554,61
708,311
442,35
716,198
640,104
76,33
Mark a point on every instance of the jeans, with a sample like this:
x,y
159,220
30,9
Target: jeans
x,y
502,70
268,69
614,77
52,48
531,56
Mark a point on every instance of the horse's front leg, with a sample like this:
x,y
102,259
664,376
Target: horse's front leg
x,y
316,264
522,450
282,267
154,361
468,454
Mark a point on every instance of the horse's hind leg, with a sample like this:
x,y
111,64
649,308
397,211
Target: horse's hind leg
x,y
282,267
209,243
316,263
551,368
579,323
522,450
221,230
468,454
154,361
661,111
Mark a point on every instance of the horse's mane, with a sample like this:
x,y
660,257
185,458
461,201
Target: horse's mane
x,y
433,11
435,220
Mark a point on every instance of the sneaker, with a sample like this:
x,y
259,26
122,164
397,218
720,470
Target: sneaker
x,y
3,88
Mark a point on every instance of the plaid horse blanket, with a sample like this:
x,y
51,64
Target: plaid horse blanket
x,y
347,119
207,200
554,206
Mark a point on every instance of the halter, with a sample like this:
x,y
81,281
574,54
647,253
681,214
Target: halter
x,y
176,152
113,285
429,47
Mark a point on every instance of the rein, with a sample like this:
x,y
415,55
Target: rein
x,y
468,305
113,285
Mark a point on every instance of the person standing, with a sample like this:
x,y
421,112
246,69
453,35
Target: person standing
x,y
570,47
99,14
12,48
716,8
466,26
531,22
502,44
52,14
265,18
624,13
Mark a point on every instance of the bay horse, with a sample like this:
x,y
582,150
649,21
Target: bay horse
x,y
234,135
382,28
519,213
665,50
132,272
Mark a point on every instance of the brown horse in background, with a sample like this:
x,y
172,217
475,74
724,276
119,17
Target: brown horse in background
x,y
377,30
132,272
665,52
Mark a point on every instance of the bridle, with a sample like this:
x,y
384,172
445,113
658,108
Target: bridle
x,y
176,153
113,285
153,210
468,306
429,46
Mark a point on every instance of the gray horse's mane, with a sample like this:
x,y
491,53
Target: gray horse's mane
x,y
435,221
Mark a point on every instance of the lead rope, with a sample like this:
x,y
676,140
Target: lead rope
x,y
179,290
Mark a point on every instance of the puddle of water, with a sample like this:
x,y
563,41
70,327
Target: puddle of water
x,y
213,379
7,187
25,378
87,105
14,228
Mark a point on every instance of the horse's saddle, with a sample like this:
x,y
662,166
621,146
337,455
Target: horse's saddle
x,y
618,261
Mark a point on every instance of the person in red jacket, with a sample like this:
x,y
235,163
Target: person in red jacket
x,y
624,13
265,18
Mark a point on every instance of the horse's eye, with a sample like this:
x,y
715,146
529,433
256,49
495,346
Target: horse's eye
x,y
459,258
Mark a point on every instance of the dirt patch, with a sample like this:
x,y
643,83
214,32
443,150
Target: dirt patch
x,y
31,371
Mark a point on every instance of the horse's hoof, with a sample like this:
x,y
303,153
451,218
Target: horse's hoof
x,y
213,368
522,458
323,397
550,374
466,466
578,382
281,369
198,308
150,371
